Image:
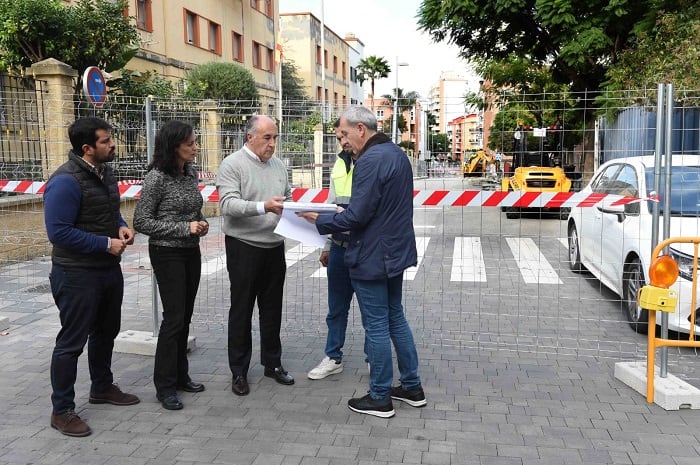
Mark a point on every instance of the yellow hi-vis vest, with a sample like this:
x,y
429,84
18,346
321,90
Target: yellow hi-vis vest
x,y
342,181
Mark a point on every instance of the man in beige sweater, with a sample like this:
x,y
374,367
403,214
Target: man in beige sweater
x,y
253,185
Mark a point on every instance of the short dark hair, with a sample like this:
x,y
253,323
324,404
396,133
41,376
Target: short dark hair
x,y
168,138
336,123
84,131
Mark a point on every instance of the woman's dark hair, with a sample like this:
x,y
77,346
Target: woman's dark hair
x,y
172,134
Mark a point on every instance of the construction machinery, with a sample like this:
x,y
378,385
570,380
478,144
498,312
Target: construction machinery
x,y
477,164
535,172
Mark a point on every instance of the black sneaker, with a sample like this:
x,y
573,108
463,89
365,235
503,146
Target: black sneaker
x,y
369,406
414,397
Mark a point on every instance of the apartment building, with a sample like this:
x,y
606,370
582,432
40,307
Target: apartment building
x,y
446,99
357,53
321,56
177,35
464,133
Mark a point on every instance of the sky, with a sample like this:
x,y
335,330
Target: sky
x,y
388,29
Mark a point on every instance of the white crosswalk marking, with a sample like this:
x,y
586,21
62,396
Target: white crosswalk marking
x,y
468,264
534,267
409,274
214,265
297,253
421,246
468,260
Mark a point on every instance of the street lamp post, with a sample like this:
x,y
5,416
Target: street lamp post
x,y
394,126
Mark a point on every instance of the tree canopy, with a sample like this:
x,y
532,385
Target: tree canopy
x,y
670,52
81,34
577,40
221,81
292,84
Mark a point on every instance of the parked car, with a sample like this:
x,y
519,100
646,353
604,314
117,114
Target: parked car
x,y
614,242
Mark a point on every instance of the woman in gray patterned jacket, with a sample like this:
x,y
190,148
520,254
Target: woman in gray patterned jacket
x,y
169,211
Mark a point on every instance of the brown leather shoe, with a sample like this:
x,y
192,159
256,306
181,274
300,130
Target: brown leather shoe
x,y
113,396
70,424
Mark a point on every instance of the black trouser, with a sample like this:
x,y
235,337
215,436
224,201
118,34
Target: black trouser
x,y
89,302
177,271
254,273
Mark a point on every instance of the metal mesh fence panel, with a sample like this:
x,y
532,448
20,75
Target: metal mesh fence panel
x,y
485,280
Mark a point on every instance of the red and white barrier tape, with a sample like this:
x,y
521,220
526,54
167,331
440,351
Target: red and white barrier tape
x,y
424,198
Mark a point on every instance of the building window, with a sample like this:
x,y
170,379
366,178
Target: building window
x,y
263,57
191,28
215,37
335,98
237,47
335,64
263,6
318,54
144,20
325,58
344,71
380,114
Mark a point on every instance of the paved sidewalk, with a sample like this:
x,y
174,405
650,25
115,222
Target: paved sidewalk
x,y
487,407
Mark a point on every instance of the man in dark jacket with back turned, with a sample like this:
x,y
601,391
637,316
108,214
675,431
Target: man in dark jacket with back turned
x,y
81,212
382,245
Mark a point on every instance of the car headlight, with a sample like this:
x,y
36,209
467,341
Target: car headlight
x,y
685,264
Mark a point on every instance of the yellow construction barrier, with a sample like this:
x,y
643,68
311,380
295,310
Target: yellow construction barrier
x,y
657,296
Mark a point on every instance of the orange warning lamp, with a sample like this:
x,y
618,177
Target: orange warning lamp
x,y
663,272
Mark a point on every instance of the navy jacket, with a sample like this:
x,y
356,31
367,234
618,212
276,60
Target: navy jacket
x,y
380,214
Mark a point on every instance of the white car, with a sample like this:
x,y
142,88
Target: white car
x,y
614,242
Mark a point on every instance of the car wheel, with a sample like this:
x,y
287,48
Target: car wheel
x,y
632,281
574,251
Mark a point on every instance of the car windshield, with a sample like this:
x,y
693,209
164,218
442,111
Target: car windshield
x,y
685,189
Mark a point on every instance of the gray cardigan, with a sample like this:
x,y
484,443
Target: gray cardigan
x,y
167,206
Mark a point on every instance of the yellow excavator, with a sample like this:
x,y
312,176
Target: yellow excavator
x,y
477,165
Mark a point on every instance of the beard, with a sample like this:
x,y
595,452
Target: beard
x,y
107,158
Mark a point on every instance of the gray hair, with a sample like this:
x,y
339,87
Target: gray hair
x,y
251,125
355,114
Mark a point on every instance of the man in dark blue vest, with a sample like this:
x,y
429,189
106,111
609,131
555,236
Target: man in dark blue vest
x,y
89,235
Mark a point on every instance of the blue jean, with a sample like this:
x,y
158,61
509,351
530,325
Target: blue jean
x,y
385,323
340,293
89,302
177,271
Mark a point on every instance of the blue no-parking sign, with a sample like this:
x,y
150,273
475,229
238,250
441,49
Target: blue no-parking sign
x,y
94,86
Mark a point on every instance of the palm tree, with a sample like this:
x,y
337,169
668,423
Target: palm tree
x,y
405,101
373,68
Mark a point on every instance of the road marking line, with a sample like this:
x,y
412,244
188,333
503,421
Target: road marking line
x,y
298,253
214,265
409,273
468,260
534,267
421,245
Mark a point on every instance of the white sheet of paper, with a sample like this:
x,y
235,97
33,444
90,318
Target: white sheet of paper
x,y
294,227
